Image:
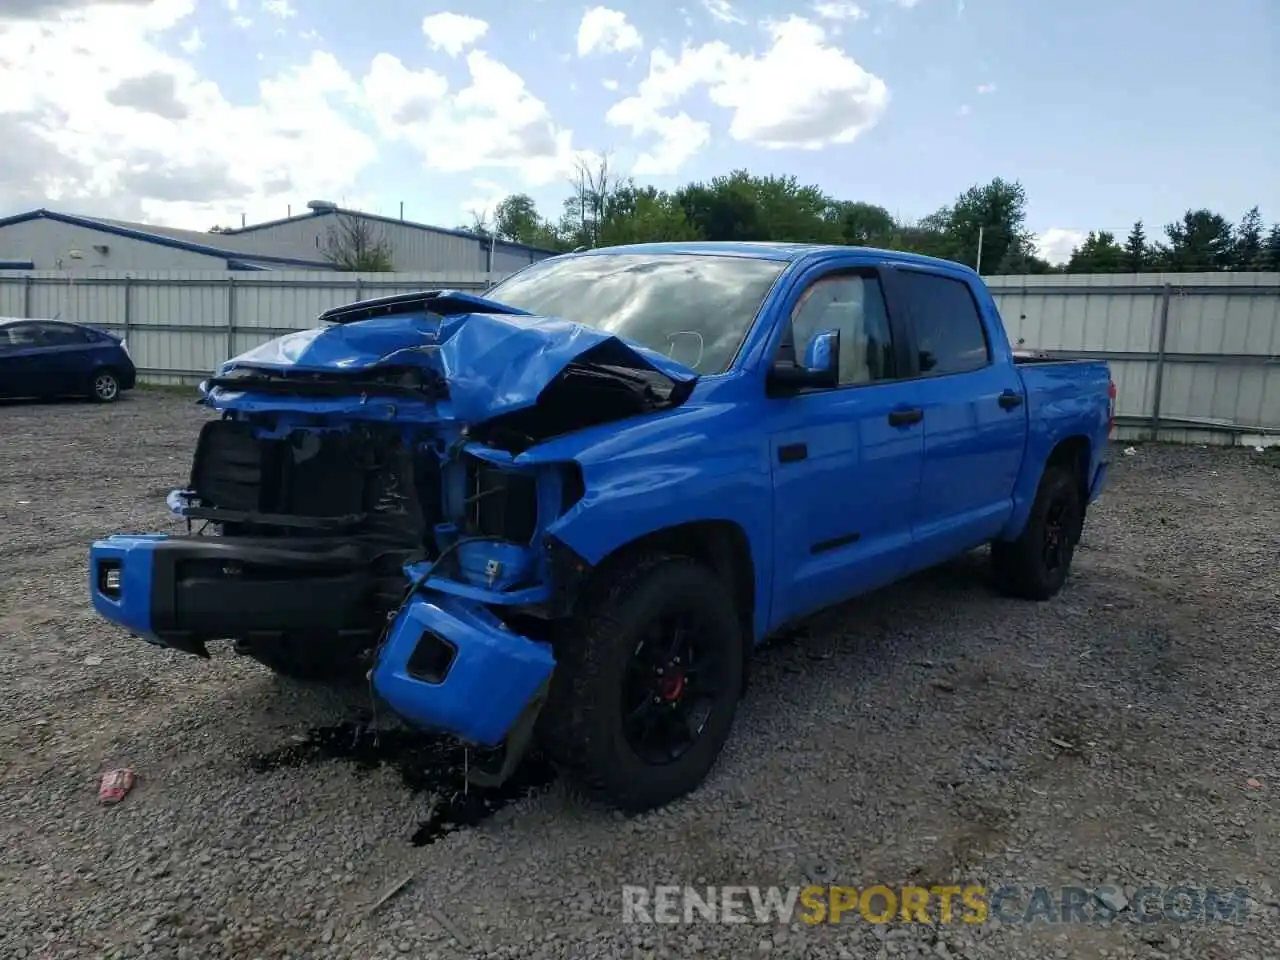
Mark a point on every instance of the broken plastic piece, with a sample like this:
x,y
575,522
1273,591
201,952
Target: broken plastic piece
x,y
115,785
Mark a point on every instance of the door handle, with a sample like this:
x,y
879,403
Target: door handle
x,y
1010,400
905,418
792,452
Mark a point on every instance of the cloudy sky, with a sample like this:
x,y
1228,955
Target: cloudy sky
x,y
195,112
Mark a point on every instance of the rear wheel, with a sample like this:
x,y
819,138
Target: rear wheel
x,y
646,686
1036,565
104,387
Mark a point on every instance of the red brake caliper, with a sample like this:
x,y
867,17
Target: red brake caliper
x,y
671,685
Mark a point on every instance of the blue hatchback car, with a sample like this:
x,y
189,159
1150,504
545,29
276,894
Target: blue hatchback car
x,y
57,358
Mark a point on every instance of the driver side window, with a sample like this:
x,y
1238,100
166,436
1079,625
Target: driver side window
x,y
854,305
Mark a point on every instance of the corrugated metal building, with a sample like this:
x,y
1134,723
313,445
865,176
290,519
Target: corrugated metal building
x,y
48,240
414,246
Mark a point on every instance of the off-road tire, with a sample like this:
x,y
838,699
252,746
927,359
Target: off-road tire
x,y
1019,565
581,728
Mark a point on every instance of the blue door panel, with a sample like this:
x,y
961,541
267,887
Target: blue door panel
x,y
842,513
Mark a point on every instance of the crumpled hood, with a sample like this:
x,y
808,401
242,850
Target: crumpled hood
x,y
494,362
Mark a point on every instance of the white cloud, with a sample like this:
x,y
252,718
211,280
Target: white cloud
x,y
801,93
722,10
98,118
241,21
192,43
609,84
839,10
488,194
906,4
964,110
494,121
986,88
602,30
279,8
453,32
1056,243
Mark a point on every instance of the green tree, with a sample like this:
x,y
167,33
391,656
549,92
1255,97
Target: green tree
x,y
1271,250
645,215
604,209
722,211
1099,253
1137,255
865,224
996,211
516,219
1201,241
1248,253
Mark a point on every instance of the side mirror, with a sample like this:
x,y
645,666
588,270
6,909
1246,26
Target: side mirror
x,y
820,367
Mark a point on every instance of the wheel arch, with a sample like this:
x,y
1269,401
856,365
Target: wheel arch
x,y
1073,452
723,546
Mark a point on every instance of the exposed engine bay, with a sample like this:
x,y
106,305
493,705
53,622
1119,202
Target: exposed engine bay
x,y
327,519
365,501
333,517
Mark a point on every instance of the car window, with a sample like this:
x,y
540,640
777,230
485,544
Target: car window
x,y
949,334
61,335
854,305
21,336
695,309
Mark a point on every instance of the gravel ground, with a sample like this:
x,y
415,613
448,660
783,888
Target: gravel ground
x,y
932,733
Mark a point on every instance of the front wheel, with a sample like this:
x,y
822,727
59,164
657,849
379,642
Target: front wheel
x,y
646,684
1036,565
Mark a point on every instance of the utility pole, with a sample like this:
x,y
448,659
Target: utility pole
x,y
978,266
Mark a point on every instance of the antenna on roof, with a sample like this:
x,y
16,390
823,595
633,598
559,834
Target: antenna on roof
x,y
402,211
288,210
242,221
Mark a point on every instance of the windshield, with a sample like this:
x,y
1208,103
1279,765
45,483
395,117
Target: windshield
x,y
694,309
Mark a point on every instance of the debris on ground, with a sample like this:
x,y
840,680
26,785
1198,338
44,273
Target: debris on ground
x,y
115,785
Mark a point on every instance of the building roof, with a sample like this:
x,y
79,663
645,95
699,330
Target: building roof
x,y
378,218
239,255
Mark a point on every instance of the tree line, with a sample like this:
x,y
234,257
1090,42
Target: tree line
x,y
604,209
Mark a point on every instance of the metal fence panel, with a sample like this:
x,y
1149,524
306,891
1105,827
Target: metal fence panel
x,y
1195,357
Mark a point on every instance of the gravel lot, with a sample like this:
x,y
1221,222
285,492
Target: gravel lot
x,y
932,733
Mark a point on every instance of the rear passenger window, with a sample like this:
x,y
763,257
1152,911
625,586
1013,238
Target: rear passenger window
x,y
949,334
56,335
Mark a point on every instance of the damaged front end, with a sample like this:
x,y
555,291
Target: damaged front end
x,y
362,500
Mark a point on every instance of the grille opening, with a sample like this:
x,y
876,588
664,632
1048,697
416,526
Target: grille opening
x,y
502,503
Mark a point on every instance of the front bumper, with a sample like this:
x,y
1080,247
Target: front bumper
x,y
450,664
447,663
181,592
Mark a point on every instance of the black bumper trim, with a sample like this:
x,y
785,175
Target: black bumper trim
x,y
207,588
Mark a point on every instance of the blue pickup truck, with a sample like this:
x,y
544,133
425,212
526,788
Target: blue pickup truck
x,y
564,514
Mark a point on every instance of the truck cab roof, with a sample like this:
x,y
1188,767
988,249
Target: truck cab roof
x,y
772,250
